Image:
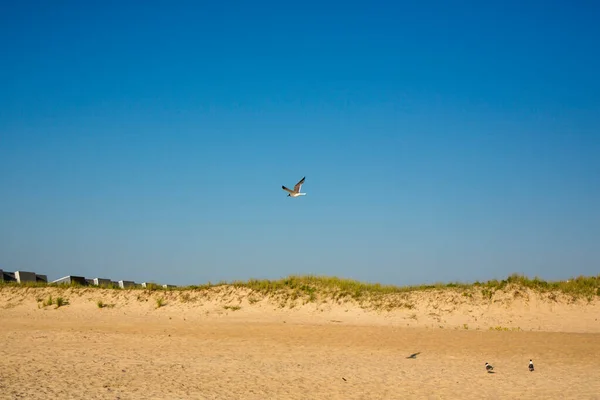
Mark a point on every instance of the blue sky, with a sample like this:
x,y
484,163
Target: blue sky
x,y
440,142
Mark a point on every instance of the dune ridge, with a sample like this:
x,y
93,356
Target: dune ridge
x,y
517,303
302,338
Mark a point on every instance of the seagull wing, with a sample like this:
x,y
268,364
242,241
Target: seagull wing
x,y
298,185
287,190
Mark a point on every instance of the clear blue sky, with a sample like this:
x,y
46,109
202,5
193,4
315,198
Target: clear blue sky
x,y
440,142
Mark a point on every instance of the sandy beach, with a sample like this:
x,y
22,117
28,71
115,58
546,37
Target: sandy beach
x,y
221,345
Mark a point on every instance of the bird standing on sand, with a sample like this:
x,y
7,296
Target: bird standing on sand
x,y
488,367
297,188
531,366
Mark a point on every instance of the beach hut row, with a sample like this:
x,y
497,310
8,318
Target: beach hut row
x,y
25,276
21,277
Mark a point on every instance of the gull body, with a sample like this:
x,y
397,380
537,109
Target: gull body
x,y
531,365
297,187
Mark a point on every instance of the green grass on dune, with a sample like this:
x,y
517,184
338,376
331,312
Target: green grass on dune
x,y
330,286
581,286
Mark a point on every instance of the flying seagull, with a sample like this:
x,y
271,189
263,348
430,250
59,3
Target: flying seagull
x,y
488,367
530,365
296,192
414,355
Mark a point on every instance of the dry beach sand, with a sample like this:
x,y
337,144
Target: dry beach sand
x,y
228,343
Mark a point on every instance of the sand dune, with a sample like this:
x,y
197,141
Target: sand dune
x,y
232,343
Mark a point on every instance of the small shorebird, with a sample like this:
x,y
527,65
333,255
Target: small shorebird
x,y
296,192
530,365
488,367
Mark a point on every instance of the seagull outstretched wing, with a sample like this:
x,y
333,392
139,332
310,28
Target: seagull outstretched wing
x,y
287,190
298,185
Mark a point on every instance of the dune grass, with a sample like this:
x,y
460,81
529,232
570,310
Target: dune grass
x,y
578,287
58,302
310,288
160,302
102,304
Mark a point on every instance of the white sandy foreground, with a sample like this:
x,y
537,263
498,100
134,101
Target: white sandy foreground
x,y
229,343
